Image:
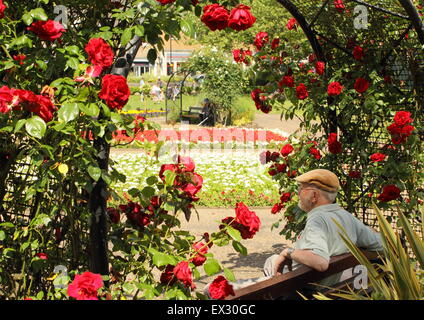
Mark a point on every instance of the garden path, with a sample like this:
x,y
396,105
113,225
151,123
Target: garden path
x,y
265,242
263,121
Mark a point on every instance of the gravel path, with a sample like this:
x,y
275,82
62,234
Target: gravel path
x,y
265,242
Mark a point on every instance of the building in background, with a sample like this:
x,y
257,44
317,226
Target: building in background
x,y
168,61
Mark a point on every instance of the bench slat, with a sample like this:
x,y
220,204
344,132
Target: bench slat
x,y
287,283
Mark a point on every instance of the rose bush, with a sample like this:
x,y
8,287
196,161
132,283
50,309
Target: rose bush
x,y
60,90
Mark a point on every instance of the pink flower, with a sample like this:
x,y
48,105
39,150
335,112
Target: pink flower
x,y
85,286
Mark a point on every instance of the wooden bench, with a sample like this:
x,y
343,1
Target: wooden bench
x,y
286,285
193,114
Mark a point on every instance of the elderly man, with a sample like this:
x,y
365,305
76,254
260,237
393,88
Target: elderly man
x,y
320,239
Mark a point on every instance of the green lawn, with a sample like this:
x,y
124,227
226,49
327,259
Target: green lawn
x,y
243,102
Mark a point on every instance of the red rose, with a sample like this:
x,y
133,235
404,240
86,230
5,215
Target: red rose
x,y
287,81
261,39
355,174
114,215
241,18
164,167
339,5
291,24
275,43
186,164
2,9
42,255
6,98
314,151
239,55
49,30
390,192
286,150
183,273
377,157
334,146
215,17
115,91
167,277
320,67
301,91
20,58
220,288
260,101
358,53
201,249
285,197
247,218
400,133
334,88
277,208
361,85
85,286
403,118
38,104
99,52
164,2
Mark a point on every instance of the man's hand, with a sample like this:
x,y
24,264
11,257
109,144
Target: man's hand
x,y
282,261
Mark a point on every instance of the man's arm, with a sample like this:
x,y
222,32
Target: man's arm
x,y
306,257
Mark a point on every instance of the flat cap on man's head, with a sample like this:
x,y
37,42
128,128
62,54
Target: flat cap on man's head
x,y
323,179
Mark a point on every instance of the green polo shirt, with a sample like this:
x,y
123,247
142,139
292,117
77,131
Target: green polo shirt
x,y
321,234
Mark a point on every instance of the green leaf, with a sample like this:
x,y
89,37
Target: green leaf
x,y
36,127
90,109
152,56
68,112
152,180
169,177
161,259
19,125
148,192
2,235
115,117
73,63
127,36
139,30
39,14
27,19
211,266
187,28
94,172
229,274
233,233
240,248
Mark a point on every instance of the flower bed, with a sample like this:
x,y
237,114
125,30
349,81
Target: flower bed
x,y
228,178
241,135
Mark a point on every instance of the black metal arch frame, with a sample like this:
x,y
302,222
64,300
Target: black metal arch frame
x,y
310,29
